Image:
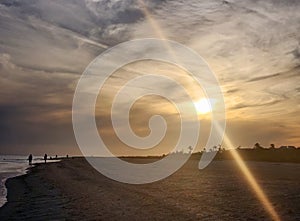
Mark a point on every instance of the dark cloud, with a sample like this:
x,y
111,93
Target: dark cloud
x,y
92,19
296,53
232,91
264,77
240,106
11,3
292,72
49,70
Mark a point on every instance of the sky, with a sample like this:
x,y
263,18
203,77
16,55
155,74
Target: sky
x,y
252,46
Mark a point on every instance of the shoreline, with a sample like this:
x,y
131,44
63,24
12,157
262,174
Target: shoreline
x,y
72,190
29,197
21,167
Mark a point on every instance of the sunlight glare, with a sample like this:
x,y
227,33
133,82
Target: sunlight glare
x,y
202,106
262,197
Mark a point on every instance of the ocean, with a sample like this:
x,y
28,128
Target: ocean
x,y
11,166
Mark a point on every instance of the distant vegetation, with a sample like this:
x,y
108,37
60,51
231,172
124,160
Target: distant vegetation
x,y
272,153
288,154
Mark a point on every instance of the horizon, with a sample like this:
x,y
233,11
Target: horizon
x,y
287,147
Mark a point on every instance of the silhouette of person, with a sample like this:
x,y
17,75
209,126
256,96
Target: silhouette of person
x,y
45,158
30,159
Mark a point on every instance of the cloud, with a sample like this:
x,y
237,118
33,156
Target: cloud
x,y
296,53
44,47
247,45
252,46
264,77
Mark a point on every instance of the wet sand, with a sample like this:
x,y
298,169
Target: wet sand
x,y
72,190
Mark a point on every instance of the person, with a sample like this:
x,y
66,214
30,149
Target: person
x,y
45,158
30,159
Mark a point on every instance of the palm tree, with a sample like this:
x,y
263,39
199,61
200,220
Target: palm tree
x,y
272,146
257,146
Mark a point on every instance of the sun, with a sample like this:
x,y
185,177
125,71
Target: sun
x,y
202,106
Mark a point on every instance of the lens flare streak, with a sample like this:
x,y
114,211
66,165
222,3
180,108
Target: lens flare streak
x,y
243,167
156,28
252,181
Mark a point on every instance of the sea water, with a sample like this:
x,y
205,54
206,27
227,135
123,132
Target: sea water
x,y
11,166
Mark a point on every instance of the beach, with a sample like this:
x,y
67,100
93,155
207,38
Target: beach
x,y
73,190
10,166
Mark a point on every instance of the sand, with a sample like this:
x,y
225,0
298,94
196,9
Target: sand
x,y
72,190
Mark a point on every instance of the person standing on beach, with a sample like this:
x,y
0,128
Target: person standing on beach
x,y
45,158
30,159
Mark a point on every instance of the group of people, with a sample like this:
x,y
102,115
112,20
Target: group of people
x,y
30,158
